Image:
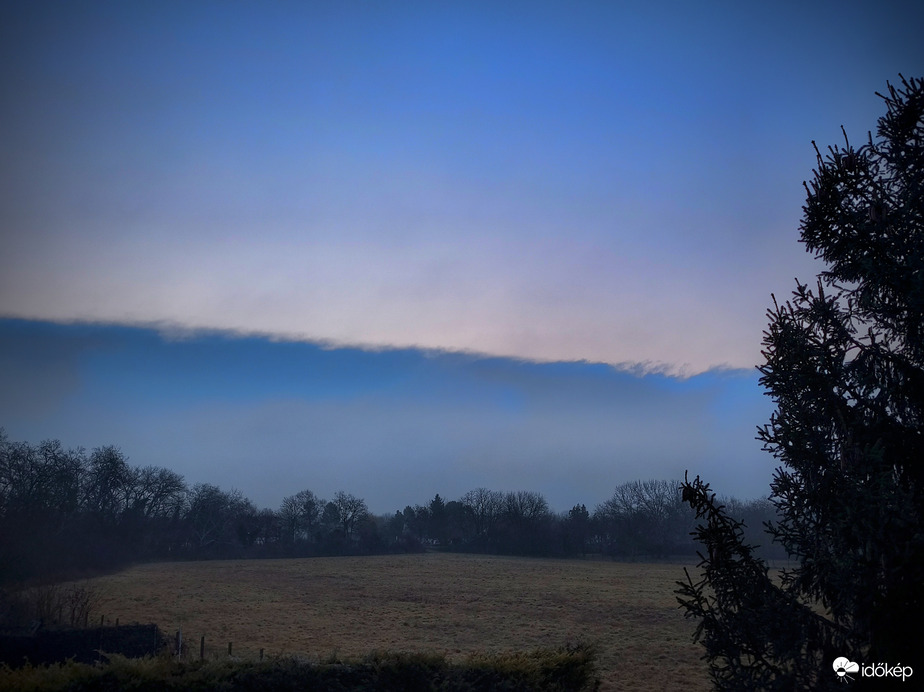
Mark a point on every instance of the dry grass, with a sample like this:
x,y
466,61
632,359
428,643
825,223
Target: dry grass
x,y
453,604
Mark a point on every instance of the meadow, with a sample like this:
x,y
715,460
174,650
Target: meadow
x,y
435,602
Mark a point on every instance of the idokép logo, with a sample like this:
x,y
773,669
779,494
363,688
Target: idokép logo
x,y
843,667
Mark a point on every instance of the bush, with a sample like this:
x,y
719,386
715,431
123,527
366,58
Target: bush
x,y
567,668
47,605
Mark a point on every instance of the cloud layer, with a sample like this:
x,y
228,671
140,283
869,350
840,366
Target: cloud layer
x,y
612,183
396,427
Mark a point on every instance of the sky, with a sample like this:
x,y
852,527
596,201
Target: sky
x,y
414,247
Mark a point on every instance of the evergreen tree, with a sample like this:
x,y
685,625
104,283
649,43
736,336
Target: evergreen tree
x,y
845,368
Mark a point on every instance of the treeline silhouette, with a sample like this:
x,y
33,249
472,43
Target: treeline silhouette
x,y
66,512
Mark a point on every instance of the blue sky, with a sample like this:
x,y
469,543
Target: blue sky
x,y
448,242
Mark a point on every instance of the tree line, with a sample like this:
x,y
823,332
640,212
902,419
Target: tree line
x,y
65,511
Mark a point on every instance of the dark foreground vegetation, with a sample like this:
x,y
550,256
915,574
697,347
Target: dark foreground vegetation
x,y
845,368
83,645
568,668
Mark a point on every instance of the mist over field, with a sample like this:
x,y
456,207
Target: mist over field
x,y
393,426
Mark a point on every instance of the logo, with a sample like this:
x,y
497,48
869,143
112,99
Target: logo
x,y
844,667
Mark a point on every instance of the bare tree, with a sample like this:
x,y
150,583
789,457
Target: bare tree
x,y
310,508
154,492
219,519
44,480
40,501
289,519
526,520
645,517
107,482
486,507
300,516
525,506
350,509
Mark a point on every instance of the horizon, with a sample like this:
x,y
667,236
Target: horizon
x,y
392,426
430,248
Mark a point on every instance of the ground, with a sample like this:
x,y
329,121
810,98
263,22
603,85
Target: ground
x,y
448,603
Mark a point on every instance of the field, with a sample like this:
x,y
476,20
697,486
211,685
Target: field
x,y
454,604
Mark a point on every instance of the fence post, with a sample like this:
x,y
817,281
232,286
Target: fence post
x,y
261,654
202,648
179,643
229,649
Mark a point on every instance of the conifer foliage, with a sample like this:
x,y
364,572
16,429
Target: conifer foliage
x,y
845,368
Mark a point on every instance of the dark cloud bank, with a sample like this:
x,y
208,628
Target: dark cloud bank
x,y
393,426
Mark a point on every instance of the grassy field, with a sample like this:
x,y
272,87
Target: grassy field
x,y
453,604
